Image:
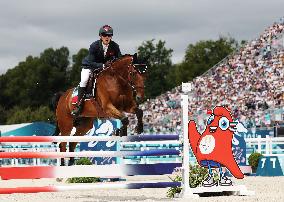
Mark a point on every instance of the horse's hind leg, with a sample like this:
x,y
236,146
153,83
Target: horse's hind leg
x,y
64,119
65,128
82,129
62,147
72,147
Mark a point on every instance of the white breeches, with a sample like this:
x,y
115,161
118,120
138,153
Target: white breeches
x,y
85,74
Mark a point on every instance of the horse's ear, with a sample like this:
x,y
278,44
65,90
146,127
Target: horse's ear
x,y
140,60
135,59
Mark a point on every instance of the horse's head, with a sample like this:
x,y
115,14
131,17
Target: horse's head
x,y
133,73
137,79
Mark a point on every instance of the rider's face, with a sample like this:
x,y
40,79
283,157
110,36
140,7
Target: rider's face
x,y
106,39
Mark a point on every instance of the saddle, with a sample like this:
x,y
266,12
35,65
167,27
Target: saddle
x,y
90,89
91,85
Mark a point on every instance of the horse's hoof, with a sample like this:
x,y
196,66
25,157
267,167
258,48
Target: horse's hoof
x,y
76,122
62,163
121,132
139,129
124,132
71,163
117,132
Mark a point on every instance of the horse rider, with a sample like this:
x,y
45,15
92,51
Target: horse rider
x,y
100,54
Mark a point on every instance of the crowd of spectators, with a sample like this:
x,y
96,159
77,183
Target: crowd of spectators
x,y
250,82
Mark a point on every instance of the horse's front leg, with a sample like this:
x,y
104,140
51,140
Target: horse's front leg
x,y
139,115
123,129
112,111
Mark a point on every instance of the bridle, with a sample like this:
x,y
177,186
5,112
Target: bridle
x,y
132,70
132,74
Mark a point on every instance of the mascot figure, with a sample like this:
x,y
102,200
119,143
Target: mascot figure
x,y
213,148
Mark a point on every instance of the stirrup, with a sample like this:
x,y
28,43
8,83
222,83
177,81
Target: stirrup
x,y
76,112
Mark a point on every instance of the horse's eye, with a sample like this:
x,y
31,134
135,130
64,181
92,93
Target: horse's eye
x,y
133,75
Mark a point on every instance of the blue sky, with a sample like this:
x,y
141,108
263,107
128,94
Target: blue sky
x,y
27,27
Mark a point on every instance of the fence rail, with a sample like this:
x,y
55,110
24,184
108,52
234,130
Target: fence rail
x,y
268,146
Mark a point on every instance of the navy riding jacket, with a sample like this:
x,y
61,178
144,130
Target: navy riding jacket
x,y
95,59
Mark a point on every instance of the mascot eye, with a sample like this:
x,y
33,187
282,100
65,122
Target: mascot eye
x,y
224,123
210,119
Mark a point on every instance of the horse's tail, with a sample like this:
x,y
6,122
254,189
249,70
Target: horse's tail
x,y
55,99
53,105
57,131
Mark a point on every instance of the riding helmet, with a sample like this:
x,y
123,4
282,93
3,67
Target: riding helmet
x,y
106,29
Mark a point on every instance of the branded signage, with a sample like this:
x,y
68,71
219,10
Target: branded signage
x,y
102,127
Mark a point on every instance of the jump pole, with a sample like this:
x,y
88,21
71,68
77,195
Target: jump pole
x,y
36,172
186,190
37,139
152,152
84,187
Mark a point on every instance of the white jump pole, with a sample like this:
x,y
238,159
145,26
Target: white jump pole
x,y
186,190
134,138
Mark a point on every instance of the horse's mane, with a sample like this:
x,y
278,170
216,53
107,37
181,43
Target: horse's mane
x,y
141,67
114,62
124,60
121,58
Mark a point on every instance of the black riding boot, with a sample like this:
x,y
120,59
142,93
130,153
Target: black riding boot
x,y
77,111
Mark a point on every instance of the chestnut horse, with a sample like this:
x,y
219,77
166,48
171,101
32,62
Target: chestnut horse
x,y
119,88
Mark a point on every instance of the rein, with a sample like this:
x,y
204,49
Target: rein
x,y
131,83
129,80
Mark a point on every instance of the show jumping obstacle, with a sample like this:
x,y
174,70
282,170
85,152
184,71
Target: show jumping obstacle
x,y
36,172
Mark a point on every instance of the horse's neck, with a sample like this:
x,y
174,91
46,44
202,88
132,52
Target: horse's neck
x,y
121,70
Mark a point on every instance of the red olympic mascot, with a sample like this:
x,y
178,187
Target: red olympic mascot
x,y
213,148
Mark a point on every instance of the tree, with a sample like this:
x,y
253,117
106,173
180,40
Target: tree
x,y
25,115
3,115
3,96
159,63
75,73
34,81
